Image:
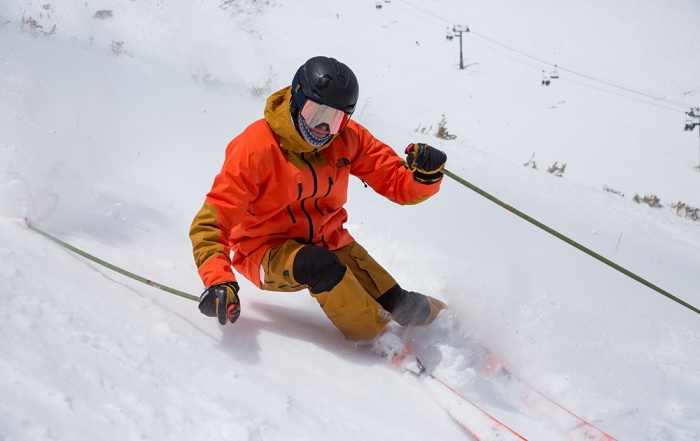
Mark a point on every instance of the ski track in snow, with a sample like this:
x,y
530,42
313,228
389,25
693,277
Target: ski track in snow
x,y
114,154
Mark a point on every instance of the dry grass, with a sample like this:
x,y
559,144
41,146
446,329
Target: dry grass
x,y
610,190
651,200
531,163
423,129
34,28
117,48
102,14
557,170
685,210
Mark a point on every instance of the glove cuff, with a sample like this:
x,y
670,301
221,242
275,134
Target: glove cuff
x,y
427,178
233,285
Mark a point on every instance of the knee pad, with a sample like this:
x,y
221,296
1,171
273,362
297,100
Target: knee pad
x,y
406,307
318,268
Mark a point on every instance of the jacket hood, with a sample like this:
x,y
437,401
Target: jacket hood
x,y
278,117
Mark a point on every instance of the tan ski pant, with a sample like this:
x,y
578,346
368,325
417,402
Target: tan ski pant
x,y
351,304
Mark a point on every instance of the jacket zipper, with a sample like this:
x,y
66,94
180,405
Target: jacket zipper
x,y
289,207
308,216
330,185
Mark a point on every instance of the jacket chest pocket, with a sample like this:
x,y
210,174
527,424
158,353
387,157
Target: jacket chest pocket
x,y
329,185
295,195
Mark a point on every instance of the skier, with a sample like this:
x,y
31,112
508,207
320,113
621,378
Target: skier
x,y
278,204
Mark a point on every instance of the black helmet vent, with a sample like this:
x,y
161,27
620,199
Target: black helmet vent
x,y
341,72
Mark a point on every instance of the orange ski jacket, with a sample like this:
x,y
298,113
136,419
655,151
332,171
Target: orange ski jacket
x,y
274,186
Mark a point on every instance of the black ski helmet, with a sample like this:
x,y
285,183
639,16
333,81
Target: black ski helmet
x,y
327,81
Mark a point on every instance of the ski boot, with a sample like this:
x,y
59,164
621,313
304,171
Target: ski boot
x,y
389,346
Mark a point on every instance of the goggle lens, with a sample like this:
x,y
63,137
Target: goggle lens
x,y
316,115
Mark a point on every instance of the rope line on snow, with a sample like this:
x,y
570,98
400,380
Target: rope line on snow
x,y
447,173
109,265
569,241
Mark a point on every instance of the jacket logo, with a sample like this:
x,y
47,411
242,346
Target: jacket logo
x,y
342,162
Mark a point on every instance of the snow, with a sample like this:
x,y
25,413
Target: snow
x,y
111,133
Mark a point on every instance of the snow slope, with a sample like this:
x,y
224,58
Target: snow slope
x,y
112,130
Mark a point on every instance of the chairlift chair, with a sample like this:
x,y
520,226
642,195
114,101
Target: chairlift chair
x,y
691,117
545,79
379,5
449,35
554,73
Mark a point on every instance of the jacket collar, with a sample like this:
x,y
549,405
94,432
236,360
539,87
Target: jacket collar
x,y
278,117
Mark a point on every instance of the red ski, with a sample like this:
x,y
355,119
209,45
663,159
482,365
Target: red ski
x,y
476,421
547,411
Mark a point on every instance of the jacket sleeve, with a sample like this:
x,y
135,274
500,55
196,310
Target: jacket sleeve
x,y
224,207
382,169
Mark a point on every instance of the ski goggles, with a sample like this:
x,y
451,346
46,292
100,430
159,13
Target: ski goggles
x,y
316,114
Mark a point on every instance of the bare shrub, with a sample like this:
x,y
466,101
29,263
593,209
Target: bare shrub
x,y
117,48
205,78
245,6
610,190
556,170
103,13
685,210
34,28
442,132
651,200
423,129
531,163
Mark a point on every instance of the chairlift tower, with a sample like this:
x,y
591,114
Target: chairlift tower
x,y
460,29
692,120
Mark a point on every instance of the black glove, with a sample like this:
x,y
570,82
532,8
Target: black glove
x,y
425,162
221,301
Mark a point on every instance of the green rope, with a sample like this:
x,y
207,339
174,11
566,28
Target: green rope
x,y
446,172
110,266
570,241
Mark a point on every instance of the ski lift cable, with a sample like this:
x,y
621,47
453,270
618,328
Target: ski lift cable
x,y
417,15
578,82
590,77
427,12
557,66
629,89
512,48
623,96
506,54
